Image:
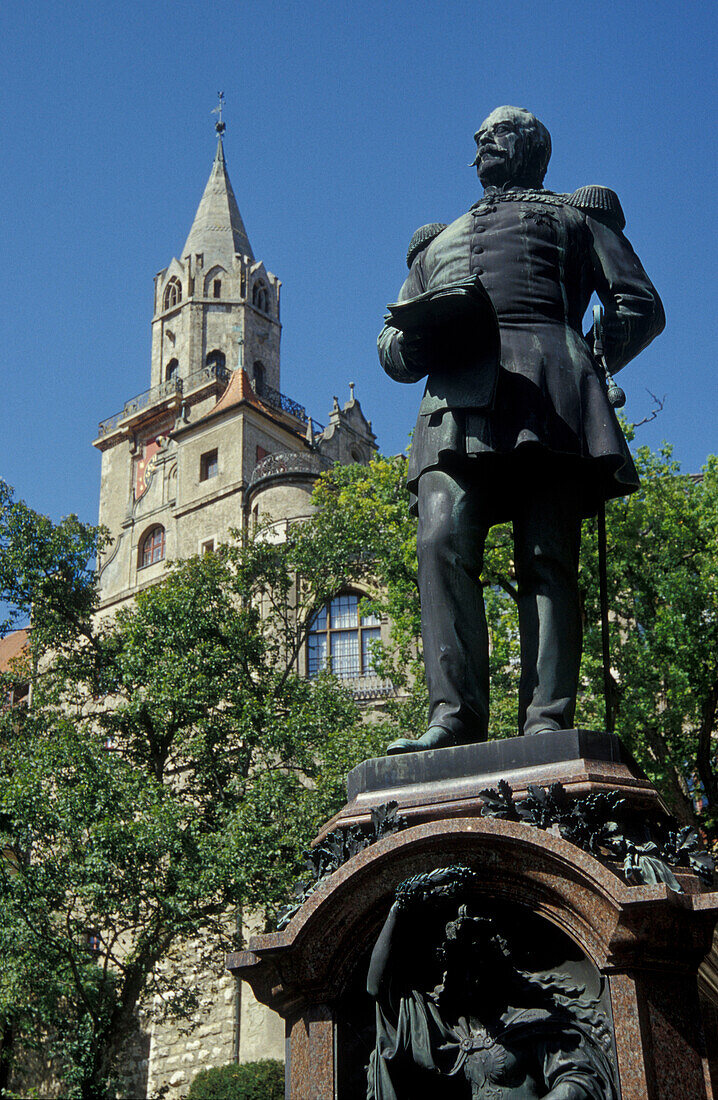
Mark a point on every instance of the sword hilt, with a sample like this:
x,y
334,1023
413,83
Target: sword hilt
x,y
616,396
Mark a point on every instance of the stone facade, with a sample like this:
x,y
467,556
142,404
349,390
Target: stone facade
x,y
211,446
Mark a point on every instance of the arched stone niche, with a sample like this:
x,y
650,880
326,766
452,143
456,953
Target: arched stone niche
x,y
481,989
645,943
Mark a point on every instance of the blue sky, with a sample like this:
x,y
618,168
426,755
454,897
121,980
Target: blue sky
x,y
348,125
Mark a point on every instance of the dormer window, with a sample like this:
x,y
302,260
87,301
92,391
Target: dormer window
x,y
173,294
217,288
260,297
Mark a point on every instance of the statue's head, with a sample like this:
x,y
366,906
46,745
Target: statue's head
x,y
512,147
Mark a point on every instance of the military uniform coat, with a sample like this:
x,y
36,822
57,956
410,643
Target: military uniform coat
x,y
540,257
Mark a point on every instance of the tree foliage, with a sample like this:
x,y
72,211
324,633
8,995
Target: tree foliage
x,y
171,768
263,1080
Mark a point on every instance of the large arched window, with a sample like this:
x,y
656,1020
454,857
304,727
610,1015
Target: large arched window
x,y
260,296
340,639
173,294
216,358
152,547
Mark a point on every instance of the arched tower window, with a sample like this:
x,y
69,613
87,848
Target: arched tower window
x,y
260,296
172,368
152,547
258,377
340,639
173,294
216,358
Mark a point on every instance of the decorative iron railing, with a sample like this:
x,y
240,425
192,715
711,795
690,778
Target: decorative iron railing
x,y
288,463
153,396
143,400
211,373
281,401
202,377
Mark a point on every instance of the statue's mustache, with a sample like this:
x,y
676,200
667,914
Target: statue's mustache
x,y
494,150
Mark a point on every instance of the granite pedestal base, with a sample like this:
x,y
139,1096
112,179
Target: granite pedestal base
x,y
647,941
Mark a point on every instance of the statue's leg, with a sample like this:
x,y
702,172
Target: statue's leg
x,y
547,537
452,532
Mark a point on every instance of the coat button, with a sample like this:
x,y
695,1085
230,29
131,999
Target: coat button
x,y
477,249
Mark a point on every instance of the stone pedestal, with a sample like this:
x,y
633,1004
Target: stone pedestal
x,y
647,941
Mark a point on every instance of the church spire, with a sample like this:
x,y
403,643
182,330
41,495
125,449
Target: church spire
x,y
218,230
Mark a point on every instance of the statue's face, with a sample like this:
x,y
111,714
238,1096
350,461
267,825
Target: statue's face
x,y
500,144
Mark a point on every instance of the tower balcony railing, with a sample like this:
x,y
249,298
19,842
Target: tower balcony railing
x,y
211,373
281,401
165,390
288,463
207,375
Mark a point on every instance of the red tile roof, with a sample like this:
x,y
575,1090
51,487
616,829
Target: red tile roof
x,y
10,646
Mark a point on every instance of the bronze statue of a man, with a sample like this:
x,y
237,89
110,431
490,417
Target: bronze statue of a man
x,y
515,422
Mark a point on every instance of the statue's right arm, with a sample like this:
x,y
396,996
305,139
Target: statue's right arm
x,y
401,357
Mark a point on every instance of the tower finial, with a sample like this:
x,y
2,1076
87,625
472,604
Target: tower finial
x,y
219,126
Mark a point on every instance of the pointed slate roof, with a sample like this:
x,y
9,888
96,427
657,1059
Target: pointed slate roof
x,y
218,230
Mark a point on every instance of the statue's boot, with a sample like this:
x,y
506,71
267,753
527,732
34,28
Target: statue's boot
x,y
436,737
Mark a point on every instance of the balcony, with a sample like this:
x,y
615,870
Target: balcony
x,y
147,400
369,689
210,375
287,463
280,401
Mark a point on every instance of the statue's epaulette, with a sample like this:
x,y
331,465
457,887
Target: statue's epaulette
x,y
422,239
600,202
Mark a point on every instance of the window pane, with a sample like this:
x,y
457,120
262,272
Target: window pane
x,y
158,545
345,653
208,466
316,653
344,612
370,620
153,548
367,637
319,622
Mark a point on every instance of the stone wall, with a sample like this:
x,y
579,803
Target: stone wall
x,y
226,1024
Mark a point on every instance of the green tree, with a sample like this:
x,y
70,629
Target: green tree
x,y
170,769
663,595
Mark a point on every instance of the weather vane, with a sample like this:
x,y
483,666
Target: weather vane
x,y
219,126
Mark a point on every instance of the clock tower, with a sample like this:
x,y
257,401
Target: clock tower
x,y
213,443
